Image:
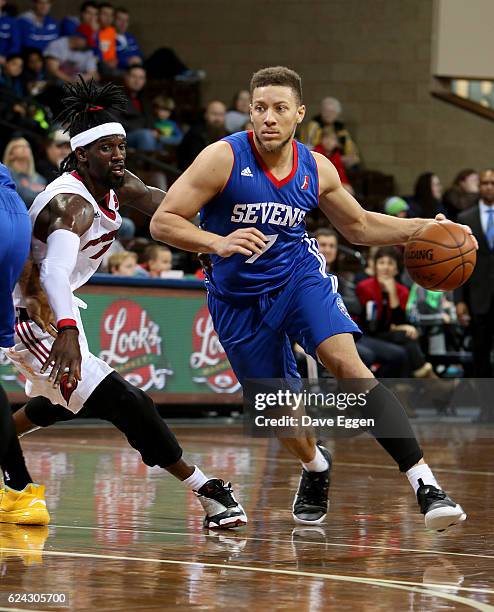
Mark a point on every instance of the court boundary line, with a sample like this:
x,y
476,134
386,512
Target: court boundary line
x,y
379,466
335,544
380,582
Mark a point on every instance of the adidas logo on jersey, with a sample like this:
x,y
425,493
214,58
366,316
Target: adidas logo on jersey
x,y
97,214
247,172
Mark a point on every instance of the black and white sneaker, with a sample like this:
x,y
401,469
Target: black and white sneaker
x,y
222,509
310,505
439,510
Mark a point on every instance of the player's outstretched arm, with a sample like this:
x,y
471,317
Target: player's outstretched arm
x,y
200,183
357,225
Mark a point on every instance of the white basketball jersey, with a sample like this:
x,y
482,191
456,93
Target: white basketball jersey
x,y
95,241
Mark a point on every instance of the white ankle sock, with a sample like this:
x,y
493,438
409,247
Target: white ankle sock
x,y
195,480
318,464
422,471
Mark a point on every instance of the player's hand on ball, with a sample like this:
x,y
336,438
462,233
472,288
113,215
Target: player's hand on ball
x,y
467,228
65,354
248,241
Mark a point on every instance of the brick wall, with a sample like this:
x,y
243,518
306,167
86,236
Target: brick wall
x,y
374,55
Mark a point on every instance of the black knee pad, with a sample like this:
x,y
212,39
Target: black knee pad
x,y
133,412
41,412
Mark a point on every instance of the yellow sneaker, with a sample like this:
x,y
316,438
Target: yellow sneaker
x,y
24,542
26,507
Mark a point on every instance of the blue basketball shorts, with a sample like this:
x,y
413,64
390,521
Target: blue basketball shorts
x,y
15,240
257,333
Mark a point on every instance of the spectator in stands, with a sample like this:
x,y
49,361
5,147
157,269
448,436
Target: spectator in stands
x,y
165,64
34,76
168,131
210,129
56,150
25,114
239,113
329,117
384,302
123,263
392,359
69,56
137,118
107,40
329,147
10,43
89,25
18,157
426,201
128,50
396,207
156,259
88,19
327,240
10,78
463,193
37,28
475,299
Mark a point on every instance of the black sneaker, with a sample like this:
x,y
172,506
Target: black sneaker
x,y
222,509
439,510
310,505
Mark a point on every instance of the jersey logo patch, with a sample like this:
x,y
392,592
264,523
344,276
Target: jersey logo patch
x,y
305,184
247,172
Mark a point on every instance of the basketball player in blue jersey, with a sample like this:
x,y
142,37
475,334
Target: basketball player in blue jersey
x,y
268,287
21,501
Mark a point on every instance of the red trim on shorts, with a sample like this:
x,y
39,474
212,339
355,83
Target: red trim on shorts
x,y
65,322
37,341
27,343
266,170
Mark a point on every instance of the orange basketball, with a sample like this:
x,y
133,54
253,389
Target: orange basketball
x,y
441,256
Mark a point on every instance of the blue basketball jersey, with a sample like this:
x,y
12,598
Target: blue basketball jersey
x,y
253,197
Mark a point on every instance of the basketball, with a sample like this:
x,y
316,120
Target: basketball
x,y
441,256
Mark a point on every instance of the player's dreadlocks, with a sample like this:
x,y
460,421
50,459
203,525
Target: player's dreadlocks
x,y
87,105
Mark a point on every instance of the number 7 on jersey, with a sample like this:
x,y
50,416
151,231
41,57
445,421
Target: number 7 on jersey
x,y
271,240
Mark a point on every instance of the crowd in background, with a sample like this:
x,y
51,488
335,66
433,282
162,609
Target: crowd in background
x,y
39,54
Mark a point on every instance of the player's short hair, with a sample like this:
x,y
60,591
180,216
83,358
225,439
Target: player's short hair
x,y
277,75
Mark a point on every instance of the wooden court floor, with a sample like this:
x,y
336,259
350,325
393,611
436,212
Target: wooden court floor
x,y
126,537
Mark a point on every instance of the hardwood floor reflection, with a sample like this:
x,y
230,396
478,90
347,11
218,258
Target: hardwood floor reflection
x,y
128,537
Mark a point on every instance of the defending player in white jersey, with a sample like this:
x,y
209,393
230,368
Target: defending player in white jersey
x,y
74,223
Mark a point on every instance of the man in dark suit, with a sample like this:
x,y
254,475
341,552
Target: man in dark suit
x,y
475,299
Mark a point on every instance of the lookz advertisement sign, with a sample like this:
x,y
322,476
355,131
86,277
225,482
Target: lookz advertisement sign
x,y
161,340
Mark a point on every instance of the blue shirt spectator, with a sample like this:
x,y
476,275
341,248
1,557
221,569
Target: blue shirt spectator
x,y
9,35
128,50
37,28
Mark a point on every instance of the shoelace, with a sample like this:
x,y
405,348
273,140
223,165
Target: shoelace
x,y
432,492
